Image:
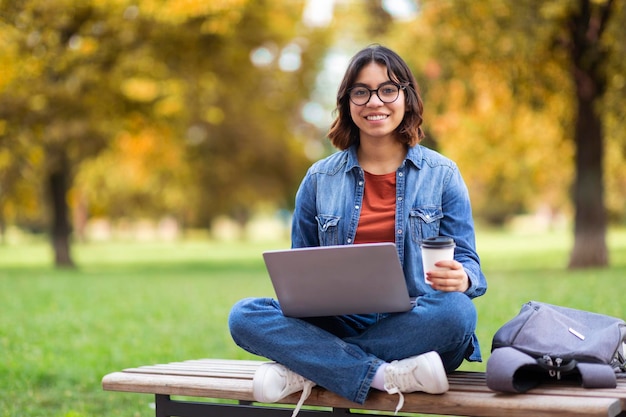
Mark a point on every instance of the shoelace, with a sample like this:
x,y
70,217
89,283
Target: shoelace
x,y
306,391
403,378
393,389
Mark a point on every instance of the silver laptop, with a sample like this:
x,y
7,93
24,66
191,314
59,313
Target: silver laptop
x,y
338,280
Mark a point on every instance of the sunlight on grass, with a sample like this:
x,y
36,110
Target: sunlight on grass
x,y
130,304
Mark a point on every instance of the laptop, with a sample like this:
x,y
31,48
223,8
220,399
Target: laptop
x,y
338,280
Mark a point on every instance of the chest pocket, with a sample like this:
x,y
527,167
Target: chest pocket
x,y
425,222
327,229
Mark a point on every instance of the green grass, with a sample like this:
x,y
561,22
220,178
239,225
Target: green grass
x,y
132,304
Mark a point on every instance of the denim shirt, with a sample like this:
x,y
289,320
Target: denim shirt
x,y
431,200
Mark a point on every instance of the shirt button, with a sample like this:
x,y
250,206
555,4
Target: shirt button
x,y
400,174
400,231
399,198
360,182
349,240
356,207
428,216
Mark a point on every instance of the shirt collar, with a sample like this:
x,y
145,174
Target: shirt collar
x,y
414,155
352,160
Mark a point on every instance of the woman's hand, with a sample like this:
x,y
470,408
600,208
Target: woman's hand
x,y
452,279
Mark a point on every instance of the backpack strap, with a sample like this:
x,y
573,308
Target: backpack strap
x,y
597,375
510,370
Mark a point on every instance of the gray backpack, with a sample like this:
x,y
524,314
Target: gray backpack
x,y
547,342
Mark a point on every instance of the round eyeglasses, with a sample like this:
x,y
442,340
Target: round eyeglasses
x,y
387,93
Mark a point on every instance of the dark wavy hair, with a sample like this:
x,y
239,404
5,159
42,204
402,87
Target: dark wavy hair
x,y
344,132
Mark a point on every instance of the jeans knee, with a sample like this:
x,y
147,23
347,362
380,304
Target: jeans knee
x,y
455,309
239,318
465,312
249,316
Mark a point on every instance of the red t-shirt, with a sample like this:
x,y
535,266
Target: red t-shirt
x,y
378,214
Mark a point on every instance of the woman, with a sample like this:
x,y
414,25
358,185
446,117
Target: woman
x,y
381,186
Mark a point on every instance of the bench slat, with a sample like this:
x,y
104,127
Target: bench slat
x,y
486,404
190,371
193,386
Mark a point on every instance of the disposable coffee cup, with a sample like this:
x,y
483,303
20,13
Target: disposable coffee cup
x,y
435,249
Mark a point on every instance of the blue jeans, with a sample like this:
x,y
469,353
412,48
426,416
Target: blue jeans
x,y
342,353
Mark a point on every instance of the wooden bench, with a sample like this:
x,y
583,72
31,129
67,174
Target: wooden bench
x,y
232,380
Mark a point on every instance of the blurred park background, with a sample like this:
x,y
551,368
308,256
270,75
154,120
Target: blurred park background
x,y
151,149
156,119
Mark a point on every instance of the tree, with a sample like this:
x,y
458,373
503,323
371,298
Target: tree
x,y
249,138
232,106
104,91
72,84
51,102
587,24
511,83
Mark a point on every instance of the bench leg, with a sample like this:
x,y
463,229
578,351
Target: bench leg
x,y
166,407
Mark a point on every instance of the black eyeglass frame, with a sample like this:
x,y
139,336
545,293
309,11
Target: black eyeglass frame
x,y
400,87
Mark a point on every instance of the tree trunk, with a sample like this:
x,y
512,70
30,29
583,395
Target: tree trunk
x,y
3,231
590,248
590,220
58,183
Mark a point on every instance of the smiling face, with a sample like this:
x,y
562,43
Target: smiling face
x,y
367,64
377,120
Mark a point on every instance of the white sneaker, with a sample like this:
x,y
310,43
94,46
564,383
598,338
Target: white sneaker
x,y
418,373
273,382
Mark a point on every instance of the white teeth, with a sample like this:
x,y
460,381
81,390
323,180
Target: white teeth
x,y
377,117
